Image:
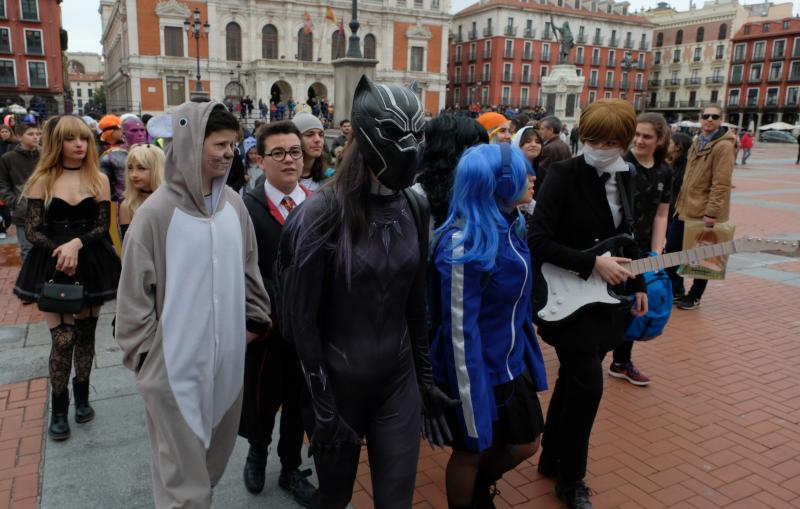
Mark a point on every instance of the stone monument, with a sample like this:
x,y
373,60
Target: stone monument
x,y
347,72
562,89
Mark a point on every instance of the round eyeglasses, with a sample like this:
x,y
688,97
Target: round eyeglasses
x,y
279,154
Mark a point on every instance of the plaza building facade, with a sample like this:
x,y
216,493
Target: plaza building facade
x,y
32,45
267,50
501,49
692,52
85,73
764,79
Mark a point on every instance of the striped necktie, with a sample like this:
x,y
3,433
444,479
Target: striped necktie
x,y
288,203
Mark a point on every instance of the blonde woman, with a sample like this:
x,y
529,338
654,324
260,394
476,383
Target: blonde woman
x,y
144,172
67,223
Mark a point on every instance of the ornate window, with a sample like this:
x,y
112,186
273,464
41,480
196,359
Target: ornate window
x,y
233,41
338,43
723,32
679,37
305,45
701,33
269,42
369,46
659,39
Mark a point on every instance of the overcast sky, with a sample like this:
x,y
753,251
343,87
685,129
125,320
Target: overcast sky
x,y
82,20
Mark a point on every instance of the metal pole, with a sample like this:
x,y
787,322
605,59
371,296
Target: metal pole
x,y
197,86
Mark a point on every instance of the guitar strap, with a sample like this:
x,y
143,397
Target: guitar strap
x,y
627,202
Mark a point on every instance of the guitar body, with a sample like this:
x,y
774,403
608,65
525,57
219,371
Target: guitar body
x,y
560,296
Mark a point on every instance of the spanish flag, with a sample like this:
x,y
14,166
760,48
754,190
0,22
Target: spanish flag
x,y
329,15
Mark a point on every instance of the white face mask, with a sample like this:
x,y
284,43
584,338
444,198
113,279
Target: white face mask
x,y
600,158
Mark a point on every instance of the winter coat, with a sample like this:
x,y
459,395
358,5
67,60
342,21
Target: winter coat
x,y
16,166
706,189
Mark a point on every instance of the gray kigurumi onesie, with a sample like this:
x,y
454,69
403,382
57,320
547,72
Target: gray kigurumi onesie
x,y
190,288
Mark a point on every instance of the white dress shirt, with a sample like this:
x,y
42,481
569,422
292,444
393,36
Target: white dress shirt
x,y
276,197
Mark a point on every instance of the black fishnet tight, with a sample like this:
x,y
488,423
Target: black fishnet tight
x,y
84,347
61,356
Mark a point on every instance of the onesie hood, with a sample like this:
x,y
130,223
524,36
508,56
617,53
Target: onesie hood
x,y
184,154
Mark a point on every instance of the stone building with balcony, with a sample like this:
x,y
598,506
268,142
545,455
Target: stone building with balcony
x,y
764,78
268,50
32,45
500,50
692,52
85,72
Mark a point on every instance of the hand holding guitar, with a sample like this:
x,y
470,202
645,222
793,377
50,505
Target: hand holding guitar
x,y
610,269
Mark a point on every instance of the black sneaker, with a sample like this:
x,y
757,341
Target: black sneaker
x,y
296,482
575,495
688,303
677,297
255,469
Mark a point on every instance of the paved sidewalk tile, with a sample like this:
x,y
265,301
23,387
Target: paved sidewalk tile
x,y
22,422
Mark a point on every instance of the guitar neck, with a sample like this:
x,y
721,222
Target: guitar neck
x,y
654,263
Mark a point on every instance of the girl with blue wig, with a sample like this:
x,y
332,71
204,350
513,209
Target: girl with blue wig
x,y
484,350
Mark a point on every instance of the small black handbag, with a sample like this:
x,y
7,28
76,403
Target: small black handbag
x,y
61,298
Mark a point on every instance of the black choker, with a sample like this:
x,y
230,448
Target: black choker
x,y
145,192
72,169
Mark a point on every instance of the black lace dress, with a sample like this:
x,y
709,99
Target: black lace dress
x,y
98,264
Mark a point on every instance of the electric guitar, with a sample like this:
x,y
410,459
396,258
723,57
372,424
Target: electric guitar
x,y
565,293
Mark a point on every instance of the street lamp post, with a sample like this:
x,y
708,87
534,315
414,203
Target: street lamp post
x,y
627,64
196,29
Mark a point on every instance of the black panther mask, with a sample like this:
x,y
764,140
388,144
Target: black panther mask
x,y
389,128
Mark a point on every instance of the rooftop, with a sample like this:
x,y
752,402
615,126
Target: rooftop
x,y
547,8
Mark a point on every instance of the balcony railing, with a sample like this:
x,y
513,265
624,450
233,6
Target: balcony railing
x,y
771,104
511,31
581,39
611,62
472,56
644,45
735,80
508,54
530,32
487,32
457,80
737,59
757,58
672,82
654,83
754,79
733,103
692,81
458,38
457,59
545,57
485,76
628,44
593,83
579,60
508,78
639,87
487,54
715,80
472,34
598,40
717,56
613,42
772,78
795,76
526,78
752,103
608,84
778,55
595,61
527,55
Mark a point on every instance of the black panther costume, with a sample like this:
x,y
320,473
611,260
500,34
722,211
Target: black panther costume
x,y
355,308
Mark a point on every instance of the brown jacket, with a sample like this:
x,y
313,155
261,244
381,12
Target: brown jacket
x,y
706,189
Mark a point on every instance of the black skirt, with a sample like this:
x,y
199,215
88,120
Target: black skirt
x,y
519,415
98,271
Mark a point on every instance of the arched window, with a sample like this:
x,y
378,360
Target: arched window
x,y
337,45
679,37
269,42
233,41
701,33
659,39
305,45
723,32
369,46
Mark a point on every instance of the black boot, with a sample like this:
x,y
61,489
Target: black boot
x,y
59,425
255,468
296,482
83,410
484,492
575,495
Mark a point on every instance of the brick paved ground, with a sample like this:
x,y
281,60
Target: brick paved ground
x,y
719,426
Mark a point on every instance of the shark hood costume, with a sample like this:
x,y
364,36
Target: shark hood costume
x,y
191,286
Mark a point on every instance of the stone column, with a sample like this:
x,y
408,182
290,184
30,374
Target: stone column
x,y
346,75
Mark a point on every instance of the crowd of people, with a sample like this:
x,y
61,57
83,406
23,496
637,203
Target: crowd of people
x,y
374,292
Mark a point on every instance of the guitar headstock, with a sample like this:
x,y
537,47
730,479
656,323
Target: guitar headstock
x,y
755,244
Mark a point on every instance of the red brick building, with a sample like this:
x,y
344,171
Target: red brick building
x,y
764,77
31,55
500,49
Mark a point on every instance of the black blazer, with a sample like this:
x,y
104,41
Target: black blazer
x,y
267,224
572,214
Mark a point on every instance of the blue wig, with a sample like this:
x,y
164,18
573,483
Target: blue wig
x,y
476,208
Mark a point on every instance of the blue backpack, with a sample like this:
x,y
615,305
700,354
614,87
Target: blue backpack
x,y
659,308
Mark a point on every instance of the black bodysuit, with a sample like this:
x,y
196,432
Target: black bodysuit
x,y
356,342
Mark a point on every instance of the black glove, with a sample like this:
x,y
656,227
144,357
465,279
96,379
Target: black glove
x,y
434,425
330,435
